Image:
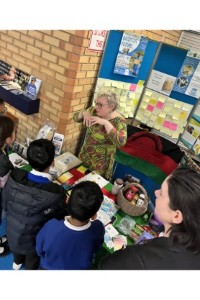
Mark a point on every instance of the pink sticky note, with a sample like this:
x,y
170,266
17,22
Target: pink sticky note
x,y
166,124
150,107
159,105
133,87
173,126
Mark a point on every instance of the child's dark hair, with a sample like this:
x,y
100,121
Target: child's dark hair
x,y
40,154
85,200
7,127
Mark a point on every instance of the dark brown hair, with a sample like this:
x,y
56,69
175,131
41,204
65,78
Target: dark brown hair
x,y
7,127
184,195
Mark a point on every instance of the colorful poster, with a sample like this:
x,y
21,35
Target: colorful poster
x,y
161,82
130,55
194,85
187,81
191,133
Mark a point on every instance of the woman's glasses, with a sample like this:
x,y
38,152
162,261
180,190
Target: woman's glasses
x,y
100,105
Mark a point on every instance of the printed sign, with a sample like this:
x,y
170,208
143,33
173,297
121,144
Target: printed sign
x,y
97,40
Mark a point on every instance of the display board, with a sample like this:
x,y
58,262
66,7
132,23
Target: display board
x,y
110,54
169,61
128,88
162,108
150,97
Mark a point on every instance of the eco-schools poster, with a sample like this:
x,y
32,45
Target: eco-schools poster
x,y
188,80
130,55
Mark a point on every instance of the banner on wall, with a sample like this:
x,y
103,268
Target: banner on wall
x,y
188,80
130,55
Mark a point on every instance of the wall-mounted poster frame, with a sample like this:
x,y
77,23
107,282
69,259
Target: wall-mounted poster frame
x,y
128,88
161,108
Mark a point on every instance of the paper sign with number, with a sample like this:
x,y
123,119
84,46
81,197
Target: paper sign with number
x,y
97,40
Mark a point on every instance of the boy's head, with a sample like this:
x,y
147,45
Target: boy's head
x,y
85,200
40,154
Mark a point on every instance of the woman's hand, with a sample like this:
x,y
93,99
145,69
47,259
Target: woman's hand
x,y
97,120
86,118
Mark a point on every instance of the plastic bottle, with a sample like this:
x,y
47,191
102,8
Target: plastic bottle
x,y
118,184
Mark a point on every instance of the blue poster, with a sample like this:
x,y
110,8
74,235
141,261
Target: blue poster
x,y
186,74
130,55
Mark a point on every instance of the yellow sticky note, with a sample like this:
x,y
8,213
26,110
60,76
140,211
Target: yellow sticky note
x,y
127,86
108,83
177,104
143,105
122,104
156,111
138,117
159,120
119,85
153,117
175,135
146,99
140,82
64,177
186,107
128,108
82,169
144,119
167,108
157,126
183,115
147,113
123,99
148,93
162,114
135,102
139,89
175,113
153,101
130,114
150,123
161,99
131,95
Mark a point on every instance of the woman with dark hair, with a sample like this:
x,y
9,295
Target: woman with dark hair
x,y
178,208
7,137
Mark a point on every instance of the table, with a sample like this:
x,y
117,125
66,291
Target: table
x,y
70,178
77,174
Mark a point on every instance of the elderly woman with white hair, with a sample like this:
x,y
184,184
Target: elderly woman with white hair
x,y
106,131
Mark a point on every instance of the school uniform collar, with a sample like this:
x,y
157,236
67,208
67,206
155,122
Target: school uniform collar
x,y
42,174
76,228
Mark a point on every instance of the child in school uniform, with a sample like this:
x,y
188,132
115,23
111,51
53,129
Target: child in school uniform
x,y
30,199
71,244
7,137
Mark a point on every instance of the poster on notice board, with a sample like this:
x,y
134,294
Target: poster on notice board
x,y
188,81
130,55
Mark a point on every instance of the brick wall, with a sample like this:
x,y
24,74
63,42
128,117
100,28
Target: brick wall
x,y
68,72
